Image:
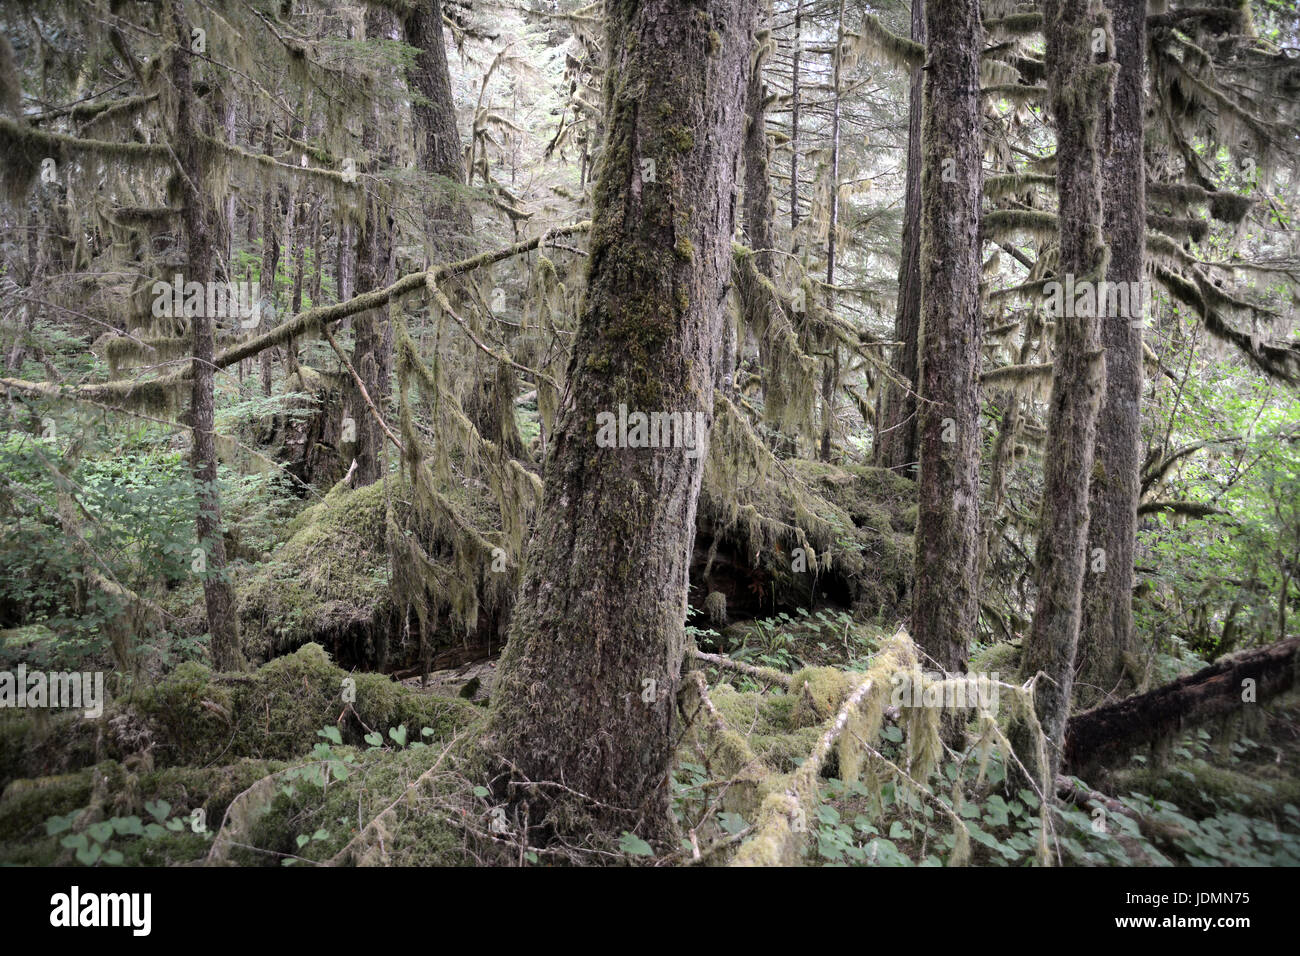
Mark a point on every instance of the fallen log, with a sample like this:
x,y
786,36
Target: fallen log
x,y
1104,736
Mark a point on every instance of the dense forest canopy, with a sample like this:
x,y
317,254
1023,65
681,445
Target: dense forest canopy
x,y
670,432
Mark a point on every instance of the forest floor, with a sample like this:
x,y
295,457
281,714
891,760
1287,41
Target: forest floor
x,y
338,748
269,768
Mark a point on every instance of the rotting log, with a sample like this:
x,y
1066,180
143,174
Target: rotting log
x,y
1106,735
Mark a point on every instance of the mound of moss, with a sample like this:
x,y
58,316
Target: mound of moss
x,y
110,792
332,583
327,581
197,717
384,807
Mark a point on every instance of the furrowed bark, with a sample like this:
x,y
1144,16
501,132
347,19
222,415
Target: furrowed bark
x,y
894,446
945,601
438,147
373,361
1106,634
1079,88
201,228
589,676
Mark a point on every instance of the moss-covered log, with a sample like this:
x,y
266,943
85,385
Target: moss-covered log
x,y
1105,735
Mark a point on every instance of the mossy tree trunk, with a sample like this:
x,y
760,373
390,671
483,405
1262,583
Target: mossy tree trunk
x,y
831,370
372,353
795,109
437,147
1078,87
894,446
270,258
589,676
945,604
201,227
758,212
1106,634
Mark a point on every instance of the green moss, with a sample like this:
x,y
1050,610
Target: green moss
x,y
331,581
685,249
417,833
1202,789
682,138
27,804
194,716
1001,659
818,692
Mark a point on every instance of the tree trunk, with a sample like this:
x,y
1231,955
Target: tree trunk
x,y
437,148
270,259
589,676
1078,87
945,604
201,226
895,441
1106,632
374,250
794,117
831,371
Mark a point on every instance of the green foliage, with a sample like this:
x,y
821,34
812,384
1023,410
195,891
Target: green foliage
x,y
72,521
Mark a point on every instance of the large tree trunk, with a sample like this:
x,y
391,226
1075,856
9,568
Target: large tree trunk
x,y
1078,88
894,446
945,604
1106,632
201,227
437,147
588,679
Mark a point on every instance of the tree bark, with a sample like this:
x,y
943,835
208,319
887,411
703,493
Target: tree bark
x,y
590,672
895,442
945,604
438,147
374,251
201,227
1106,632
270,259
1077,87
794,117
831,370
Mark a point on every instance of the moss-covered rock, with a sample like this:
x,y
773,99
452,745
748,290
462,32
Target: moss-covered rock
x,y
328,582
197,717
331,582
